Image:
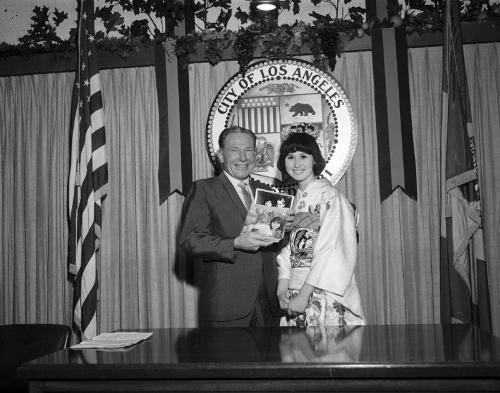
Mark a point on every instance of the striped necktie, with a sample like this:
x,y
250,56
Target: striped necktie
x,y
247,198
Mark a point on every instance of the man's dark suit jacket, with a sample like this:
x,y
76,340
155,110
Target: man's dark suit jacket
x,y
228,279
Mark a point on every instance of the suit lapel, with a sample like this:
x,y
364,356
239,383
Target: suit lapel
x,y
233,195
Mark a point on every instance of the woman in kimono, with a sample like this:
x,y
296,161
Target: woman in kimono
x,y
316,282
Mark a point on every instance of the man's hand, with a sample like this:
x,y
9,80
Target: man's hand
x,y
252,241
283,300
282,293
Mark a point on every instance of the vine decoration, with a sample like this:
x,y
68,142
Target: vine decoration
x,y
324,37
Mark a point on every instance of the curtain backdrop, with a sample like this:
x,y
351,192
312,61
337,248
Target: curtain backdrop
x,y
141,275
138,276
34,166
398,266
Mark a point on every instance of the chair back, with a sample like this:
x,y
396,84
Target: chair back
x,y
20,343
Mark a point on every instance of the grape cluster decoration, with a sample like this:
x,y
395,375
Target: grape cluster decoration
x,y
169,45
330,45
244,46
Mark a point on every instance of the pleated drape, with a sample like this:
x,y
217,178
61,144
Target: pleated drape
x,y
34,166
139,276
143,279
140,282
389,289
398,264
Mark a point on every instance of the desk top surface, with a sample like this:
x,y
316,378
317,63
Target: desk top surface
x,y
372,351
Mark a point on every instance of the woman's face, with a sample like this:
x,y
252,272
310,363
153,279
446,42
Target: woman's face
x,y
299,166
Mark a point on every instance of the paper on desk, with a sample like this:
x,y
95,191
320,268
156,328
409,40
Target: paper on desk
x,y
113,340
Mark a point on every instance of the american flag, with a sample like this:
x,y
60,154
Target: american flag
x,y
88,176
462,253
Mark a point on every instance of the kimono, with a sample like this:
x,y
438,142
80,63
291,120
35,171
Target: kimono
x,y
322,251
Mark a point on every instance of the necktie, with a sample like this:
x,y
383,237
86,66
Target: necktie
x,y
247,198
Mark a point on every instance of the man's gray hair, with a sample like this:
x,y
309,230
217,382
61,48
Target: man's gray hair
x,y
234,130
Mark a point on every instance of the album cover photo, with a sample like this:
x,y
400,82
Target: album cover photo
x,y
267,214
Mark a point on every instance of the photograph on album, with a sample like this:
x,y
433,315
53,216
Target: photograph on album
x,y
267,214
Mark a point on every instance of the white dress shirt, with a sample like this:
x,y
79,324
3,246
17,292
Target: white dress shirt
x,y
235,182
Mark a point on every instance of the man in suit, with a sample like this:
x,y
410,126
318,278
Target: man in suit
x,y
236,271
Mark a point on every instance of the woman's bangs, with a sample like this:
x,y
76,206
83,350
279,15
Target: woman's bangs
x,y
296,146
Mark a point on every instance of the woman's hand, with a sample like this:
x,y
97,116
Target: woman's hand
x,y
282,293
283,299
298,304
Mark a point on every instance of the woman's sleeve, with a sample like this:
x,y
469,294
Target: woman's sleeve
x,y
335,251
283,261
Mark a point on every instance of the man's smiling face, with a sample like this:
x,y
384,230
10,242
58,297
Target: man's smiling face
x,y
238,155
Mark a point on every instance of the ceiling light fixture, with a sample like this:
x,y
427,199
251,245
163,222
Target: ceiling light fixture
x,y
264,14
265,5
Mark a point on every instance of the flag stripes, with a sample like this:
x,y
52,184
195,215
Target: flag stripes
x,y
88,177
259,114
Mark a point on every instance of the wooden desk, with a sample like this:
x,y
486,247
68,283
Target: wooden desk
x,y
378,358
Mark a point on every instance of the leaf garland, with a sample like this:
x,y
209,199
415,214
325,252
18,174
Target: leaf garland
x,y
323,38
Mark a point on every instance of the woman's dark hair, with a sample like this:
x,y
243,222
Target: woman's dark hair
x,y
305,143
